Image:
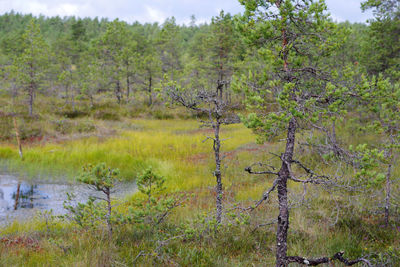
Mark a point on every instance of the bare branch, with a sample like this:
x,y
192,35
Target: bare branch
x,y
250,170
177,203
207,138
264,224
338,256
265,196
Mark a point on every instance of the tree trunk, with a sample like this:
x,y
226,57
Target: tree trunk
x,y
284,175
284,172
109,225
217,173
128,87
18,137
17,196
31,96
150,90
72,100
118,92
91,101
31,89
387,199
66,95
388,189
334,131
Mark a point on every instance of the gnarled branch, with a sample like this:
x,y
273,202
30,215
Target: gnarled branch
x,y
338,256
265,196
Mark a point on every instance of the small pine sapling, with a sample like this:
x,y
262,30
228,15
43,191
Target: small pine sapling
x,y
154,209
100,178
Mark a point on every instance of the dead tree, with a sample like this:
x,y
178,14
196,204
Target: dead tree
x,y
212,100
219,111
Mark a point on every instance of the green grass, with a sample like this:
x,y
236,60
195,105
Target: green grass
x,y
175,149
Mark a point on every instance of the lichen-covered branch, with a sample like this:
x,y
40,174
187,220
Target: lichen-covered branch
x,y
317,261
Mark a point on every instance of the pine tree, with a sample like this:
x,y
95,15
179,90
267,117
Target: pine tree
x,y
113,50
299,93
379,102
30,67
382,48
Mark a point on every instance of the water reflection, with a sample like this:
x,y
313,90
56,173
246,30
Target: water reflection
x,y
23,199
24,196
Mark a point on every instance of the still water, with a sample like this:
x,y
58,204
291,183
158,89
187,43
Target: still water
x,y
37,196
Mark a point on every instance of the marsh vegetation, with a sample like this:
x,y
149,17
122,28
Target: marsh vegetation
x,y
260,139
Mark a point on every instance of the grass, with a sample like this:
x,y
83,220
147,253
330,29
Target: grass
x,y
175,149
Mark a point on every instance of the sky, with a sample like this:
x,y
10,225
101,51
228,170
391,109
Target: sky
x,y
158,10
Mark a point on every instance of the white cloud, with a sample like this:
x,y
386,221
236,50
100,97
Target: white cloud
x,y
35,7
157,10
155,15
337,18
67,9
41,7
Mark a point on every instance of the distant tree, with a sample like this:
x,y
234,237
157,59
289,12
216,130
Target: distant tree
x,y
197,64
382,47
150,68
380,96
380,100
89,76
77,41
351,52
169,43
114,51
129,65
12,43
65,67
30,67
78,31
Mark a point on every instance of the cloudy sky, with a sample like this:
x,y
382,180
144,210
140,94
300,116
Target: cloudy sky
x,y
158,10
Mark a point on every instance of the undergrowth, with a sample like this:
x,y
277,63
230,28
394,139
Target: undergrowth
x,y
125,138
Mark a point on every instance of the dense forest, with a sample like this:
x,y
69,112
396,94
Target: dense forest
x,y
268,138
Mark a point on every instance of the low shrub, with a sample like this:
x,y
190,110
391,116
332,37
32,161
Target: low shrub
x,y
161,115
85,126
106,115
6,127
31,129
65,126
72,113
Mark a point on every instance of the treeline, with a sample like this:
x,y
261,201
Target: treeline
x,y
79,58
75,58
